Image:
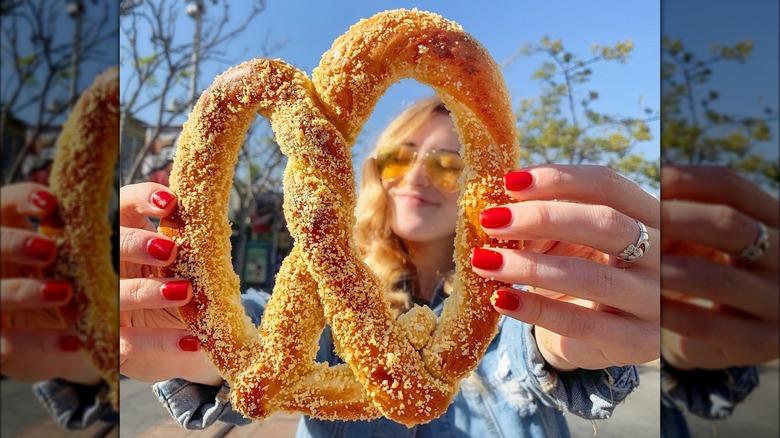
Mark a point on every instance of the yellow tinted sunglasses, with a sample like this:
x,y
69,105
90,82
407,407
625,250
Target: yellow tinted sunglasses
x,y
442,166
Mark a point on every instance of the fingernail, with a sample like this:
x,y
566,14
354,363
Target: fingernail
x,y
496,217
188,343
39,248
160,248
518,180
55,290
161,199
486,259
176,290
43,199
506,300
70,343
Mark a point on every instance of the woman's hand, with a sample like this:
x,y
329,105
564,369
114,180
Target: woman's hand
x,y
36,344
589,308
154,343
719,310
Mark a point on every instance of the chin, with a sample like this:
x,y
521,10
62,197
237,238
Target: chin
x,y
422,233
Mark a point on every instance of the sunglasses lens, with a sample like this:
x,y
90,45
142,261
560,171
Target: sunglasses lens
x,y
395,162
444,168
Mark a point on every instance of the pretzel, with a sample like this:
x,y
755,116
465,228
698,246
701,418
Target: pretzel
x,y
407,370
82,179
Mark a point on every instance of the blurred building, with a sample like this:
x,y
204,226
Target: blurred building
x,y
13,141
133,137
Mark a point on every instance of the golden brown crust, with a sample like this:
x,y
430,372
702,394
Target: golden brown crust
x,y
82,178
407,371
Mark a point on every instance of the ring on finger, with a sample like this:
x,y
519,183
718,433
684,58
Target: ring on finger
x,y
758,248
632,253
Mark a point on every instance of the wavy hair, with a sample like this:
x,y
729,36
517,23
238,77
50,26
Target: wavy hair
x,y
381,248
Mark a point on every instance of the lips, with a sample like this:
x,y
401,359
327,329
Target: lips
x,y
414,199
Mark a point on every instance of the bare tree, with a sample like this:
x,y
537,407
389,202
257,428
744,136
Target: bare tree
x,y
164,78
164,64
40,69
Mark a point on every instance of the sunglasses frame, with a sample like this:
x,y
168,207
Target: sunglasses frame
x,y
416,156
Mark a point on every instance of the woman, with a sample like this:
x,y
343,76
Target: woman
x,y
565,344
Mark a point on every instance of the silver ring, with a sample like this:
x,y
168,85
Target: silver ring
x,y
758,248
632,253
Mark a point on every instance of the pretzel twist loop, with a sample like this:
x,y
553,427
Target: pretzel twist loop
x,y
82,179
410,377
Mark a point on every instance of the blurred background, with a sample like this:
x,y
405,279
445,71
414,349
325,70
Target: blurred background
x,y
51,51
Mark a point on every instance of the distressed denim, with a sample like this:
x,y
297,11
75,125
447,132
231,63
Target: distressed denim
x,y
711,394
75,406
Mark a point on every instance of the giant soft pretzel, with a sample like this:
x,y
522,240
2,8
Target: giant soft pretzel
x,y
82,178
407,370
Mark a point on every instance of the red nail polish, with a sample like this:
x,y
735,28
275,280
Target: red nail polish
x,y
486,259
188,343
55,290
39,248
506,300
519,180
161,199
70,343
43,199
160,248
496,217
176,290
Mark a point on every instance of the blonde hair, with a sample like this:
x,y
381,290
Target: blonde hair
x,y
381,248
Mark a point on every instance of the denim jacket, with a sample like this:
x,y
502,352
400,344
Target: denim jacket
x,y
512,393
711,394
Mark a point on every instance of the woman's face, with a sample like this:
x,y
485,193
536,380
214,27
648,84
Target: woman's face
x,y
421,212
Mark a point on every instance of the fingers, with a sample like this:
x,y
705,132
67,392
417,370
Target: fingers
x,y
599,329
152,355
138,201
586,184
34,355
145,247
578,277
27,248
23,200
596,226
153,293
733,287
719,185
27,293
713,338
717,226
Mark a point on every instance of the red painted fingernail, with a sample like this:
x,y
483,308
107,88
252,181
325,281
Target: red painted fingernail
x,y
161,199
160,248
43,199
55,290
70,343
486,259
519,180
176,290
505,300
39,248
188,343
496,217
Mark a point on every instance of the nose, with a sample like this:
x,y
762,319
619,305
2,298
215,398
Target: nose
x,y
417,175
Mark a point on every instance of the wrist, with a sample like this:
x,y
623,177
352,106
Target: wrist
x,y
552,359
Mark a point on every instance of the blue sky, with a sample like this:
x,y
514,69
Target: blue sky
x,y
744,88
310,27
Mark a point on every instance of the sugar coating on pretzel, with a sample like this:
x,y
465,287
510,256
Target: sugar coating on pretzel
x,y
407,370
82,179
